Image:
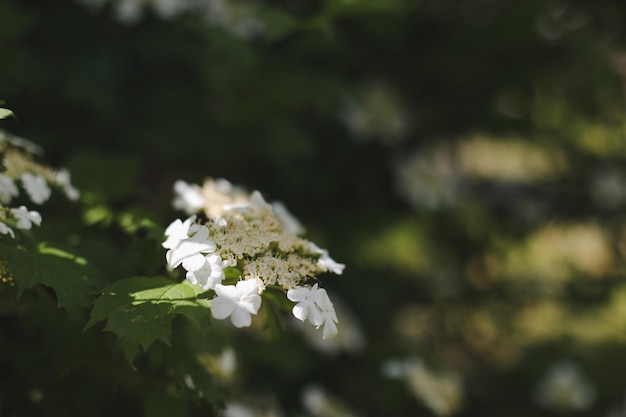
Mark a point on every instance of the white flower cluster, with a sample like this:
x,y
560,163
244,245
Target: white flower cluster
x,y
441,391
261,241
236,16
377,113
18,167
565,388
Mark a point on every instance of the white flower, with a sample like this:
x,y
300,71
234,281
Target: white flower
x,y
178,231
36,187
190,249
209,274
6,230
329,317
25,218
325,261
238,410
289,221
306,306
237,301
63,179
188,198
441,391
329,264
313,303
565,388
8,189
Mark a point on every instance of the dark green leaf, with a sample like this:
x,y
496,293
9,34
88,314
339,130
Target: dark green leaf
x,y
73,280
139,310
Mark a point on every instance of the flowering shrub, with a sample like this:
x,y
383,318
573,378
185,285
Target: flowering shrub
x,y
254,241
243,250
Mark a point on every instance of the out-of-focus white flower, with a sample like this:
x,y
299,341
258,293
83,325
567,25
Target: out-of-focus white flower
x,y
349,335
6,230
128,11
63,179
36,187
565,388
441,391
188,197
377,114
319,403
238,410
25,218
8,189
27,145
608,188
238,302
238,17
290,222
227,361
209,274
428,179
325,261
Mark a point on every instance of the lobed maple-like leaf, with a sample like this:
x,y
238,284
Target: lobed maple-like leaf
x,y
72,278
139,310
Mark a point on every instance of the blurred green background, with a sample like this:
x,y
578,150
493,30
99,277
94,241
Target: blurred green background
x,y
466,160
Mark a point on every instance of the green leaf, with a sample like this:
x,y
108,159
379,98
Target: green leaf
x,y
74,281
139,310
4,113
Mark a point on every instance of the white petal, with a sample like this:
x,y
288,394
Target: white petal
x,y
300,312
222,307
251,304
194,262
249,286
330,329
241,318
226,291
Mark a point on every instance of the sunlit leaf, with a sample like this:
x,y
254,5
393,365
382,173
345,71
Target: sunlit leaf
x,y
139,310
4,113
73,280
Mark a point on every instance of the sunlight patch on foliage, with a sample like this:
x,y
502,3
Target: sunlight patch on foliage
x,y
139,310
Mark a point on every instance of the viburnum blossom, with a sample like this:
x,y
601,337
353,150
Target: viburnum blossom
x,y
19,166
188,197
259,241
329,317
306,306
8,189
36,187
313,303
6,230
26,218
209,274
238,302
190,249
63,179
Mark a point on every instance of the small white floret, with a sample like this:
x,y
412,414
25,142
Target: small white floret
x,y
36,187
209,274
190,247
188,198
63,179
238,302
8,189
6,230
25,218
